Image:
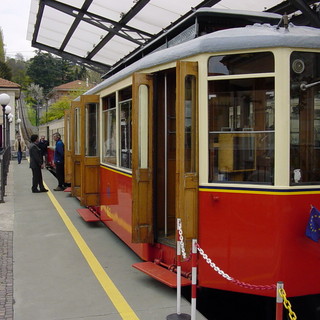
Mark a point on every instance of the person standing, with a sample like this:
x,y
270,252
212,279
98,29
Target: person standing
x,y
36,164
59,161
43,145
19,146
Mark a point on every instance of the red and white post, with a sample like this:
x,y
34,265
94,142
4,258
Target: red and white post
x,y
279,306
178,268
194,280
180,248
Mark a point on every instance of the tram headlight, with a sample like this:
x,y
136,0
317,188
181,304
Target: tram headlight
x,y
298,66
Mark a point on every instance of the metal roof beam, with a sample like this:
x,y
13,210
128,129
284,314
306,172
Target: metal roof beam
x,y
96,66
38,21
287,7
307,11
207,3
125,19
132,13
96,20
75,23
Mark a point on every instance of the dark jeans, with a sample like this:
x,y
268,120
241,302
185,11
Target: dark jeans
x,y
60,174
37,179
19,155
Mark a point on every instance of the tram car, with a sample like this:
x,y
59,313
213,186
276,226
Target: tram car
x,y
221,131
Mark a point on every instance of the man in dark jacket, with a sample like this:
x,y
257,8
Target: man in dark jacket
x,y
36,164
59,161
43,145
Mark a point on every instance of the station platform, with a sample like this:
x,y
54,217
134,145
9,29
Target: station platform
x,y
56,266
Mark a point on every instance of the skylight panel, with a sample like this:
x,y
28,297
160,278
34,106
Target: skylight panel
x,y
113,10
251,5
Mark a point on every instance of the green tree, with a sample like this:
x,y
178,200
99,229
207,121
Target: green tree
x,y
35,100
5,71
48,71
18,68
56,110
35,92
2,53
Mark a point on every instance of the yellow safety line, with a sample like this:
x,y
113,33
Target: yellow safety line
x,y
109,287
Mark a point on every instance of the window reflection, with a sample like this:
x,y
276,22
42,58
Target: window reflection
x,y
109,129
241,130
244,63
125,105
305,118
125,134
77,131
143,126
68,142
189,123
91,129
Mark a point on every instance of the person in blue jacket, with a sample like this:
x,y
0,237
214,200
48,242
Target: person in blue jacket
x,y
59,161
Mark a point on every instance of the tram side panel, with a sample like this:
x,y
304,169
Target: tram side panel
x,y
258,239
116,207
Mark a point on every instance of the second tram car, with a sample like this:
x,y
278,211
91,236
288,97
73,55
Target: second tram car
x,y
223,132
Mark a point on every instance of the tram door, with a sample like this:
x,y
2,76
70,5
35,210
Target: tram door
x,y
165,181
67,144
76,111
187,154
142,158
90,162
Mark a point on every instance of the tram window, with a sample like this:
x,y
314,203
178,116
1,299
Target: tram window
x,y
125,127
190,123
68,142
91,129
241,63
143,126
77,131
109,150
109,102
125,134
241,130
305,118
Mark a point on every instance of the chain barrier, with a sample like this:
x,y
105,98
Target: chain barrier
x,y
183,250
235,281
217,269
281,291
287,304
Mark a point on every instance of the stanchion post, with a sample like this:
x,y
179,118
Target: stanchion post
x,y
194,280
279,306
178,315
178,269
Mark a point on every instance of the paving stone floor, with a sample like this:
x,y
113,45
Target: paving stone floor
x,y
6,249
6,275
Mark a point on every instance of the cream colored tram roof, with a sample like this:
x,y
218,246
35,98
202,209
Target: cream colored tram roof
x,y
249,37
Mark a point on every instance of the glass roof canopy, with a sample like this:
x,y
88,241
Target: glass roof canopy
x,y
99,33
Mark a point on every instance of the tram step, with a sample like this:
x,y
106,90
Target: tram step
x,y
87,215
161,274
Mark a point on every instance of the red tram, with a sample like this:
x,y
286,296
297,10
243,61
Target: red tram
x,y
222,131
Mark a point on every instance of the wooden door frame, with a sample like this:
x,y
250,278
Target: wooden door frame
x,y
75,158
67,143
187,182
142,178
89,193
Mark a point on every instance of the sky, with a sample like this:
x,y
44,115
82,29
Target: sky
x,y
14,16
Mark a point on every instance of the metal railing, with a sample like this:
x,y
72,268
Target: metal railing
x,y
5,157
